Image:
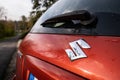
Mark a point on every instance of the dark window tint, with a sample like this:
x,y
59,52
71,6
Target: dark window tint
x,y
107,12
64,6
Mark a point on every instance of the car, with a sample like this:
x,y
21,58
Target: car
x,y
73,40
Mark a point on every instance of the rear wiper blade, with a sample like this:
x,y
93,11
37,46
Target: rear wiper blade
x,y
83,16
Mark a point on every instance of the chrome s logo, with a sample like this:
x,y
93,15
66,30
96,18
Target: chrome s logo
x,y
77,52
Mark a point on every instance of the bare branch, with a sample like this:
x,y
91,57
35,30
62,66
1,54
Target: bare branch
x,y
2,12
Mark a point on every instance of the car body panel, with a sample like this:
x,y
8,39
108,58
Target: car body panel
x,y
51,72
102,62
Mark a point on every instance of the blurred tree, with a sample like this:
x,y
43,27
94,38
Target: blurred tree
x,y
24,19
34,17
24,23
39,6
2,29
2,12
9,28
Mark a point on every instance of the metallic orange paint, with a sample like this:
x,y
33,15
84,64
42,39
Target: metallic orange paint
x,y
45,71
102,62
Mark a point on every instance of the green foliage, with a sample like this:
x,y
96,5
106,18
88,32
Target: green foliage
x,y
7,29
22,25
2,30
39,6
34,17
36,4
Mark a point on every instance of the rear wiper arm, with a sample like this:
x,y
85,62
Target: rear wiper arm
x,y
83,16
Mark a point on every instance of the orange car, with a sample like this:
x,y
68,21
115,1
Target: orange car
x,y
73,40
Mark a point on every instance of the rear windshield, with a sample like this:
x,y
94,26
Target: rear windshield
x,y
107,12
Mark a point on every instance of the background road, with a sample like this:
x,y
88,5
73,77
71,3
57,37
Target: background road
x,y
7,50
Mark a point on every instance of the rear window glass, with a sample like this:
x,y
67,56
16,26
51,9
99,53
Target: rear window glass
x,y
107,12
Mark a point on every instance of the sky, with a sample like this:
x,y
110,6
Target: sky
x,y
16,8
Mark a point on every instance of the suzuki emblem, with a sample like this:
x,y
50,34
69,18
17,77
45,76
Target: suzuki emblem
x,y
76,51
